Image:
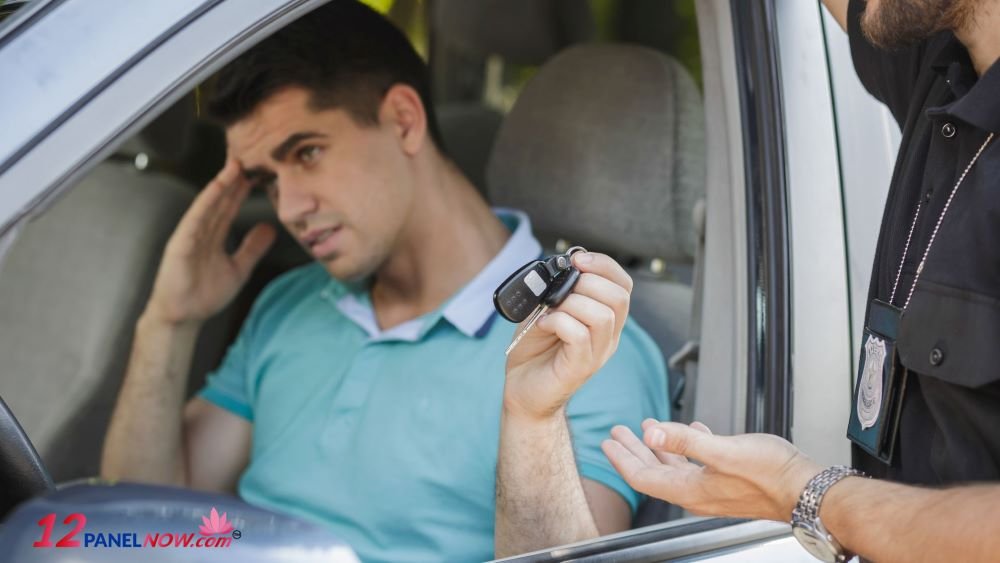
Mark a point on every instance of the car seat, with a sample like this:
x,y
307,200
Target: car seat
x,y
465,36
71,289
605,148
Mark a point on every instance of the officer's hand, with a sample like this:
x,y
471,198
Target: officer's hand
x,y
197,277
746,476
570,343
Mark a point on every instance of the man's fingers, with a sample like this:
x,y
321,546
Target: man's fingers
x,y
253,247
604,266
575,337
605,291
221,216
197,218
598,318
686,441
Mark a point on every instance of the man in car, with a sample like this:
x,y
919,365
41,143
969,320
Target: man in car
x,y
926,409
369,390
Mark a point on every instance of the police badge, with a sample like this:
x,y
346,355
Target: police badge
x,y
870,387
880,383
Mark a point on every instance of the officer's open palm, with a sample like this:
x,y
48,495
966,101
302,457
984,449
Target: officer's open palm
x,y
197,277
571,342
750,475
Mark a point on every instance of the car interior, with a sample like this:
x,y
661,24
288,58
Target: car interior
x,y
589,116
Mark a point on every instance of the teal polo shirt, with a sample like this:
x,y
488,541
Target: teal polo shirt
x,y
391,437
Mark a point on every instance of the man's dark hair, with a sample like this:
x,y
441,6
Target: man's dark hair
x,y
346,54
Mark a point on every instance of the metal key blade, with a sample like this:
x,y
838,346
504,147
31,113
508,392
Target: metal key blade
x,y
531,322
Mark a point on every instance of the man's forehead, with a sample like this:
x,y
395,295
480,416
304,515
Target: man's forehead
x,y
276,118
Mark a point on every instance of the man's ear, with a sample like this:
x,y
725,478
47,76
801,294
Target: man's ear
x,y
402,109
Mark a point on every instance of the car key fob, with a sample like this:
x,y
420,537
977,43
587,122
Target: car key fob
x,y
522,292
537,283
562,286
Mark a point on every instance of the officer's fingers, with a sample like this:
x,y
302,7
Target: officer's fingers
x,y
626,463
660,481
649,422
700,427
633,443
604,266
713,451
624,436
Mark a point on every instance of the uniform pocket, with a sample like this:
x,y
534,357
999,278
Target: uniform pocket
x,y
952,335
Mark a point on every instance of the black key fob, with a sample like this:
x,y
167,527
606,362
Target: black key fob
x,y
523,291
537,283
561,287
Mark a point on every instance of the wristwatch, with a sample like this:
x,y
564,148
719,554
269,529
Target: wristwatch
x,y
806,525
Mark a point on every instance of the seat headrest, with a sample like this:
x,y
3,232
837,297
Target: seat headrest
x,y
521,31
605,147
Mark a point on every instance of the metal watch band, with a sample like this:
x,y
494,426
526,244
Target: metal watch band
x,y
811,497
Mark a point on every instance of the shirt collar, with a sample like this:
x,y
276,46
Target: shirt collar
x,y
977,100
470,310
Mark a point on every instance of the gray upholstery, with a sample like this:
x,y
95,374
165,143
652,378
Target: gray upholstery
x,y
605,147
71,289
469,130
521,31
663,308
466,33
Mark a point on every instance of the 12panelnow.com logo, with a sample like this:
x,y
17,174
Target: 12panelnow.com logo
x,y
215,532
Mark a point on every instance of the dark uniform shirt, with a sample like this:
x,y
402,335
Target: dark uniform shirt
x,y
950,334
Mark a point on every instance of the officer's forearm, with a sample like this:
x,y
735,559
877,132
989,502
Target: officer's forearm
x,y
144,441
884,521
540,497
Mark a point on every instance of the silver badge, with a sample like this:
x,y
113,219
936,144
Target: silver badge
x,y
870,386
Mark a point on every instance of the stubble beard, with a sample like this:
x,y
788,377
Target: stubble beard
x,y
896,24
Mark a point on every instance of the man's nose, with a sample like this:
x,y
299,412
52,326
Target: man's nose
x,y
294,202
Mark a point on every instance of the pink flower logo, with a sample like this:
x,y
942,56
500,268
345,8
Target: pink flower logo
x,y
215,524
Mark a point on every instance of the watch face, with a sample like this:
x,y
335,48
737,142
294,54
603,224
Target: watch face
x,y
814,544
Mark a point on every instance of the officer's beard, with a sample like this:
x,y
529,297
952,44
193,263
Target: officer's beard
x,y
894,24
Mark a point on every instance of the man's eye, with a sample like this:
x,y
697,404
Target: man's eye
x,y
308,153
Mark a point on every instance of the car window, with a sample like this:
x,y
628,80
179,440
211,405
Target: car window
x,y
480,67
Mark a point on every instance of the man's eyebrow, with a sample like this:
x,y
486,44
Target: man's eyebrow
x,y
281,151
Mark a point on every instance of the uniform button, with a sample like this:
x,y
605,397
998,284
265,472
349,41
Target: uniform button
x,y
937,356
948,130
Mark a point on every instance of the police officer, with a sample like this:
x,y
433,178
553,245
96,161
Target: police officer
x,y
926,409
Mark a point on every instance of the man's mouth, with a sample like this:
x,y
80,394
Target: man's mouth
x,y
317,240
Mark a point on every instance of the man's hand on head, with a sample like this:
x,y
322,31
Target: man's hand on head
x,y
197,277
571,342
747,476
